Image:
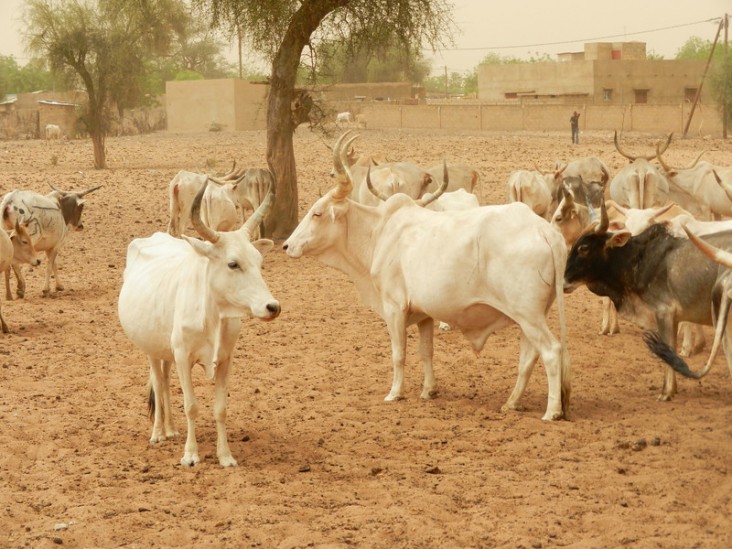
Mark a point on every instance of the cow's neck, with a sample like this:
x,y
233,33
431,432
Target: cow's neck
x,y
354,253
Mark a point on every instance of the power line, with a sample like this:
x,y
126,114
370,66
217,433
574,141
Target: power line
x,y
714,19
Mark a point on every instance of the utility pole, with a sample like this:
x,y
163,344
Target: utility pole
x,y
447,94
725,113
706,68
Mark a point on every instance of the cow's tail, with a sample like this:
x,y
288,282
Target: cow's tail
x,y
559,255
664,351
173,228
150,398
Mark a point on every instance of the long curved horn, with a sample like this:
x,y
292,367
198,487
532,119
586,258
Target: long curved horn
x,y
206,232
259,214
345,178
377,193
605,175
64,193
91,190
726,187
604,220
621,151
668,142
538,169
722,257
431,197
669,169
662,210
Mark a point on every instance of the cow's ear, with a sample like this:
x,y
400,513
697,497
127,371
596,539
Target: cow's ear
x,y
619,239
264,245
201,247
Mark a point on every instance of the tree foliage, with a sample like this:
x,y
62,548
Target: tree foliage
x,y
32,76
103,46
282,29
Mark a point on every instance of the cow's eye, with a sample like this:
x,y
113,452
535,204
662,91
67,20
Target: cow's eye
x,y
558,218
233,265
583,249
317,214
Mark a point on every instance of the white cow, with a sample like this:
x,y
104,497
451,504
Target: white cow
x,y
193,294
52,132
412,265
462,176
701,181
218,208
252,188
15,247
49,219
530,187
640,184
344,118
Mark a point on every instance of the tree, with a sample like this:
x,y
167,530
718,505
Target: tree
x,y
103,45
282,29
721,86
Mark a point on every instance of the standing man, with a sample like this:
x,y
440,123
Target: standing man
x,y
574,123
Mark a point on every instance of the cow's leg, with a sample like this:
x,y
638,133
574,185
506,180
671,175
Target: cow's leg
x,y
539,339
3,326
20,290
183,364
528,355
170,431
692,338
223,452
158,390
426,352
51,268
396,325
8,294
667,332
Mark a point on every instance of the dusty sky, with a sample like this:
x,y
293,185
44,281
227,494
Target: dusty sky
x,y
522,28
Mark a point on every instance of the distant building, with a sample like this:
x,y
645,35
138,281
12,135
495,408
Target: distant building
x,y
603,74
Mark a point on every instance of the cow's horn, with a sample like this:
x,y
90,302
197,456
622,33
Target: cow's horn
x,y
430,198
345,179
722,257
621,151
206,232
604,220
91,190
665,146
259,214
57,190
377,193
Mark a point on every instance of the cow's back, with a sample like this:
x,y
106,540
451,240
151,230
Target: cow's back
x,y
454,260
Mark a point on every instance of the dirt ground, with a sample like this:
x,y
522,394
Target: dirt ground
x,y
323,460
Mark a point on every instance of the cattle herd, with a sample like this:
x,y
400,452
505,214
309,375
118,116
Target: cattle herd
x,y
651,239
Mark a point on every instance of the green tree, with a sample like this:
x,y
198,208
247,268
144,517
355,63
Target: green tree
x,y
103,45
694,48
33,76
721,86
282,29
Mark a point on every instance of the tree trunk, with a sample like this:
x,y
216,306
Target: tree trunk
x,y
282,218
281,121
100,155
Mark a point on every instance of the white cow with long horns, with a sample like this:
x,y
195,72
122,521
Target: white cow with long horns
x,y
182,300
49,219
412,265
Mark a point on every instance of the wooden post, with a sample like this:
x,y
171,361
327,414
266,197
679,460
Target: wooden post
x,y
706,68
725,113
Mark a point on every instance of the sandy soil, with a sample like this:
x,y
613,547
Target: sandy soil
x,y
324,461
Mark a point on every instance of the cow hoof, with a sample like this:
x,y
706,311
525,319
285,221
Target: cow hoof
x,y
228,461
20,293
156,439
664,398
444,326
393,398
59,288
171,434
512,408
553,416
190,460
428,394
46,293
